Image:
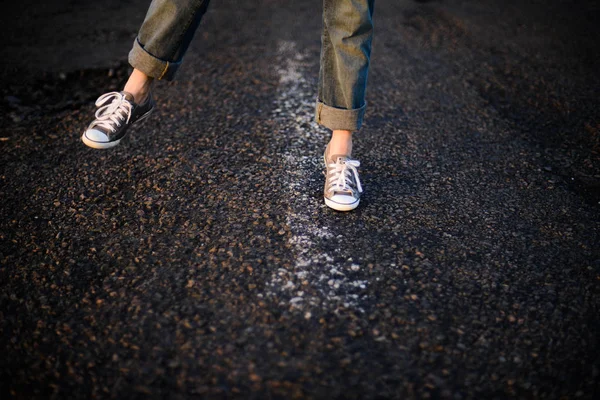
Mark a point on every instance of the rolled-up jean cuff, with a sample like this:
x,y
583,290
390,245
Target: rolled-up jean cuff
x,y
151,65
339,118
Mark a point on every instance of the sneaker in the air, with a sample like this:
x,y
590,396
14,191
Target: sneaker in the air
x,y
342,186
117,112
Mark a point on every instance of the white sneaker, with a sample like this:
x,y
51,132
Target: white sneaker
x,y
116,113
342,186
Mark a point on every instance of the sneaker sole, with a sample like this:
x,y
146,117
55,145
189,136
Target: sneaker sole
x,y
340,207
107,145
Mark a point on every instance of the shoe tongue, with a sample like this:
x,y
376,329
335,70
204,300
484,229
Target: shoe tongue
x,y
334,158
128,96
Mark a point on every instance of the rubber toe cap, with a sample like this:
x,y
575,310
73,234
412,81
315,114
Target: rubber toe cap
x,y
343,199
96,136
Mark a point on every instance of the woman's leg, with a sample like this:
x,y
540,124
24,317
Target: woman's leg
x,y
157,53
139,85
345,55
165,36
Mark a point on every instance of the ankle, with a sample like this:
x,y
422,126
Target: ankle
x,y
140,94
340,143
139,85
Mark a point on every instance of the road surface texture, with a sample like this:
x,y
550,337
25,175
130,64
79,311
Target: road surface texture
x,y
197,259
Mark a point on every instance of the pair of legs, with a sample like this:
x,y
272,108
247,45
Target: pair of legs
x,y
140,85
163,40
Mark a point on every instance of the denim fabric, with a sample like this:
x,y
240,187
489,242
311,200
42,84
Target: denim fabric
x,y
346,38
165,35
345,56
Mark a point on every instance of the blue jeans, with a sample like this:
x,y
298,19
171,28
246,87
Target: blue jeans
x,y
346,38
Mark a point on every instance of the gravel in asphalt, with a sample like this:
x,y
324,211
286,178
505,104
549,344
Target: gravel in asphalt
x,y
197,259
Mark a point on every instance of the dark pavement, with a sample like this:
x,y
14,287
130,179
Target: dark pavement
x,y
197,259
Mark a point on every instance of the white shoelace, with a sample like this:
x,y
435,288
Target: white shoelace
x,y
113,108
340,176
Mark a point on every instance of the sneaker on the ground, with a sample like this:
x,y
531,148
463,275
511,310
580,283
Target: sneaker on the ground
x,y
342,186
117,112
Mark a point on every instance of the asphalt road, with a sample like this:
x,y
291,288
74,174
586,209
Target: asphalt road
x,y
197,259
